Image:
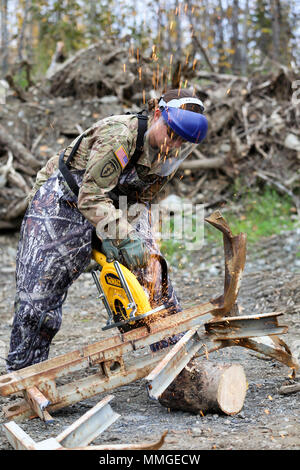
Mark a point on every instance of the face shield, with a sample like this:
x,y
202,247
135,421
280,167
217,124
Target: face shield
x,y
172,137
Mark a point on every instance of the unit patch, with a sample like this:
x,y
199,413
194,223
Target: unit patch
x,y
122,156
109,168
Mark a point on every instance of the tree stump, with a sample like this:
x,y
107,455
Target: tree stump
x,y
205,386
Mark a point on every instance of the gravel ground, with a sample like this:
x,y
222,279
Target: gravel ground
x,y
268,420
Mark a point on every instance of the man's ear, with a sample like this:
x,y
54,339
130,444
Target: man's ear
x,y
157,114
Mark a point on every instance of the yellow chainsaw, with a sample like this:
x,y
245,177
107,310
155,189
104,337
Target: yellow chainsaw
x,y
126,301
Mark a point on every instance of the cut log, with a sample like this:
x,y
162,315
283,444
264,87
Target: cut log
x,y
205,386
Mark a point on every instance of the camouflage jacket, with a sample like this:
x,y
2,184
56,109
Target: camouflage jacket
x,y
104,154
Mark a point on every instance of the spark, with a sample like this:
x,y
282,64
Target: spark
x,y
140,73
270,398
171,59
124,68
137,55
144,97
267,411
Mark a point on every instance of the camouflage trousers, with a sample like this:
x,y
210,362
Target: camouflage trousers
x,y
54,249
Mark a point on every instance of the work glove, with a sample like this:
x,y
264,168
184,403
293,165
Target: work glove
x,y
134,252
110,250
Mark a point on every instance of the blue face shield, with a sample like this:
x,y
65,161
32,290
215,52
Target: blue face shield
x,y
189,125
189,129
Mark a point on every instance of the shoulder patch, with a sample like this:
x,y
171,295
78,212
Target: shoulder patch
x,y
122,156
109,168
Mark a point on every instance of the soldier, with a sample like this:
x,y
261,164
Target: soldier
x,y
75,197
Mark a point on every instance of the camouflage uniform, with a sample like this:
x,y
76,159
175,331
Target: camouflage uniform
x,y
56,233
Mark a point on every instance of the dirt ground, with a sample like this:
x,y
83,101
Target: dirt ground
x,y
268,420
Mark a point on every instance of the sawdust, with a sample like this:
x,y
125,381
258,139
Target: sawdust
x,y
268,419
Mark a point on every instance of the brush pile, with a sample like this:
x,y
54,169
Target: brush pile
x,y
253,123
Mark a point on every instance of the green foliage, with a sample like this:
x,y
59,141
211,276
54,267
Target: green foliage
x,y
20,79
58,21
263,214
259,215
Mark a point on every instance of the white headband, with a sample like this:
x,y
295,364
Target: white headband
x,y
176,103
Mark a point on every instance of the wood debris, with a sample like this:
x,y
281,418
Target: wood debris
x,y
253,124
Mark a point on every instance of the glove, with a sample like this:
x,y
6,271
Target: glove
x,y
134,252
110,250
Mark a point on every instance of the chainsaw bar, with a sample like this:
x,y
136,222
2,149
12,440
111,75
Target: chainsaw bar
x,y
138,317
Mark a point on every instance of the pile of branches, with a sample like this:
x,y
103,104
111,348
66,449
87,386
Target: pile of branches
x,y
253,135
253,123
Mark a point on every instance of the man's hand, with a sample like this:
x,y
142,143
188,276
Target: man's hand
x,y
110,250
134,251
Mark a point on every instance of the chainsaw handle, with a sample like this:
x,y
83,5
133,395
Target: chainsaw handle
x,y
100,258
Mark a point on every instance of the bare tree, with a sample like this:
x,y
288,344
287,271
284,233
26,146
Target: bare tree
x,y
220,36
236,59
244,48
4,37
275,14
197,43
178,51
23,30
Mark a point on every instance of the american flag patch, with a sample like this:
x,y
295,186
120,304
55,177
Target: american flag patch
x,y
122,156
